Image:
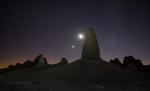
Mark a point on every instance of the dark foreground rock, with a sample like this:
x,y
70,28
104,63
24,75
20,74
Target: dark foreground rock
x,y
62,85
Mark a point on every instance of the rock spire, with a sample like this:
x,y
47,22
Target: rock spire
x,y
90,48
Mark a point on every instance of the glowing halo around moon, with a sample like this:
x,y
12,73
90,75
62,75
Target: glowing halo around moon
x,y
81,36
73,46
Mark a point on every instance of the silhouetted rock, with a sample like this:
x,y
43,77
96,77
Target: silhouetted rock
x,y
28,64
40,60
131,61
18,66
139,64
127,60
11,67
116,61
90,48
63,61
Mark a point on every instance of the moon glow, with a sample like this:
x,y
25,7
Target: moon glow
x,y
80,36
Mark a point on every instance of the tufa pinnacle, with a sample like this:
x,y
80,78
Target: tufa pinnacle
x,y
90,48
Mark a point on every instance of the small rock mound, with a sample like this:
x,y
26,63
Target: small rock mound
x,y
40,60
63,61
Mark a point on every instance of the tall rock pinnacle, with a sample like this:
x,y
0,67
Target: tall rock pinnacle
x,y
90,48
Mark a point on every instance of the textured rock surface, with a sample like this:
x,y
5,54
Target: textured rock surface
x,y
40,60
90,48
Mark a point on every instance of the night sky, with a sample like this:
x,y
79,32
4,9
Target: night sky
x,y
50,27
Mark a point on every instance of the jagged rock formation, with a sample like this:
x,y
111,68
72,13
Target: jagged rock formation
x,y
63,61
27,62
116,61
131,60
136,64
90,48
131,63
40,60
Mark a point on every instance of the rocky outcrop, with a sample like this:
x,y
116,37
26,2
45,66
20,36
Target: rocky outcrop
x,y
116,61
63,61
131,63
90,48
28,64
40,60
129,60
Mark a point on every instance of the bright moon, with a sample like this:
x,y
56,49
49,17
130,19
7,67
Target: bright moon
x,y
80,36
